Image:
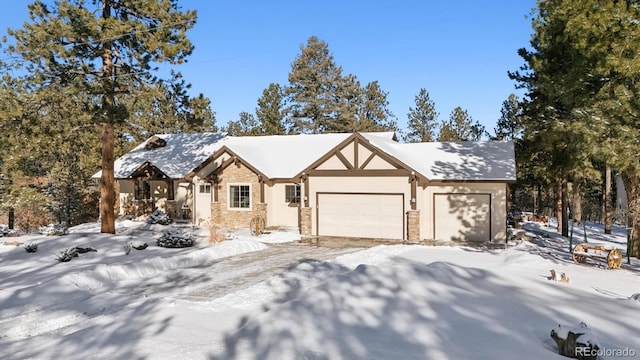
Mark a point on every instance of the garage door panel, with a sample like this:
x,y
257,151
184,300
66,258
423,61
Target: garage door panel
x,y
361,215
462,217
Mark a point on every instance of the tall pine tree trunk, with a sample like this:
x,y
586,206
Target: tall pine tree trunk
x,y
607,200
632,186
107,181
565,204
561,206
577,199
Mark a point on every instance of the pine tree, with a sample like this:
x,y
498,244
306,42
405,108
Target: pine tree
x,y
105,48
460,127
247,125
349,98
508,126
423,119
374,114
312,89
270,110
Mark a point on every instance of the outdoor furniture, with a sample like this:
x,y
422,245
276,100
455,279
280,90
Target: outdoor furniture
x,y
583,251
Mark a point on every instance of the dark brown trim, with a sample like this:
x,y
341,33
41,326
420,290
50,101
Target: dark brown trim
x,y
358,172
237,159
305,181
433,201
171,195
148,171
364,142
344,160
356,142
225,164
414,192
404,219
261,181
216,185
368,160
327,155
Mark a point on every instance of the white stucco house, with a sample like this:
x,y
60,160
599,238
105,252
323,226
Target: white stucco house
x,y
364,185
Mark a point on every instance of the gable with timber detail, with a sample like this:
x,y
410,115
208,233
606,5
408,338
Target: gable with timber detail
x,y
357,156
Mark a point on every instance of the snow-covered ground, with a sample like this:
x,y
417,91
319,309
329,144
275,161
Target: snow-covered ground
x,y
270,298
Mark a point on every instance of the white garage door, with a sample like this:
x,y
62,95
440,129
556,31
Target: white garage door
x,y
462,217
361,215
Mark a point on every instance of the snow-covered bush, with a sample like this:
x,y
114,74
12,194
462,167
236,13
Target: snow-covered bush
x,y
4,229
31,247
175,238
67,255
53,229
159,217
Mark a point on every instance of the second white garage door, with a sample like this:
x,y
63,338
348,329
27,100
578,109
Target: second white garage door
x,y
465,217
361,215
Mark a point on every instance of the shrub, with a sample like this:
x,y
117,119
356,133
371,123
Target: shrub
x,y
159,217
31,247
67,255
174,238
53,229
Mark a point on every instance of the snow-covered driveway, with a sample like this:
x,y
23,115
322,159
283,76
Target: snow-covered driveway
x,y
232,274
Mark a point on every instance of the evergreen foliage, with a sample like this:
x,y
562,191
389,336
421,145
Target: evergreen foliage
x,y
270,111
460,127
247,125
423,119
312,89
159,217
509,126
98,53
374,114
175,238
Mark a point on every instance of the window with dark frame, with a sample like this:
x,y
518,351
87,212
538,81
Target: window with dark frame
x,y
239,196
205,188
292,193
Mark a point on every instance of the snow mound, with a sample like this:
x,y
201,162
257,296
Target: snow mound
x,y
277,236
374,256
105,274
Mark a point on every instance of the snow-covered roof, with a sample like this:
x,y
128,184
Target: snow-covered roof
x,y
283,156
181,154
483,160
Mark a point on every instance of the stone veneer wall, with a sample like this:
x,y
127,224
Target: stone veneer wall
x,y
305,221
171,209
413,225
230,218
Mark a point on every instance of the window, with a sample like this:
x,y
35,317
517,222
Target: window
x,y
292,193
239,196
205,188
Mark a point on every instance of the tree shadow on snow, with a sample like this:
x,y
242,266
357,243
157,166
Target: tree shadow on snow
x,y
413,310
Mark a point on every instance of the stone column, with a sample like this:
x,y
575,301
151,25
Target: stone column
x,y
216,217
413,225
305,221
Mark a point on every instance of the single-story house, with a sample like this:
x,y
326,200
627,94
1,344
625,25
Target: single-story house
x,y
365,185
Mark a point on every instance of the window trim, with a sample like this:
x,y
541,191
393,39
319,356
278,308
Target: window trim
x,y
204,186
297,194
229,207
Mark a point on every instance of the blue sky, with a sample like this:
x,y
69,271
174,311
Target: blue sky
x,y
459,51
